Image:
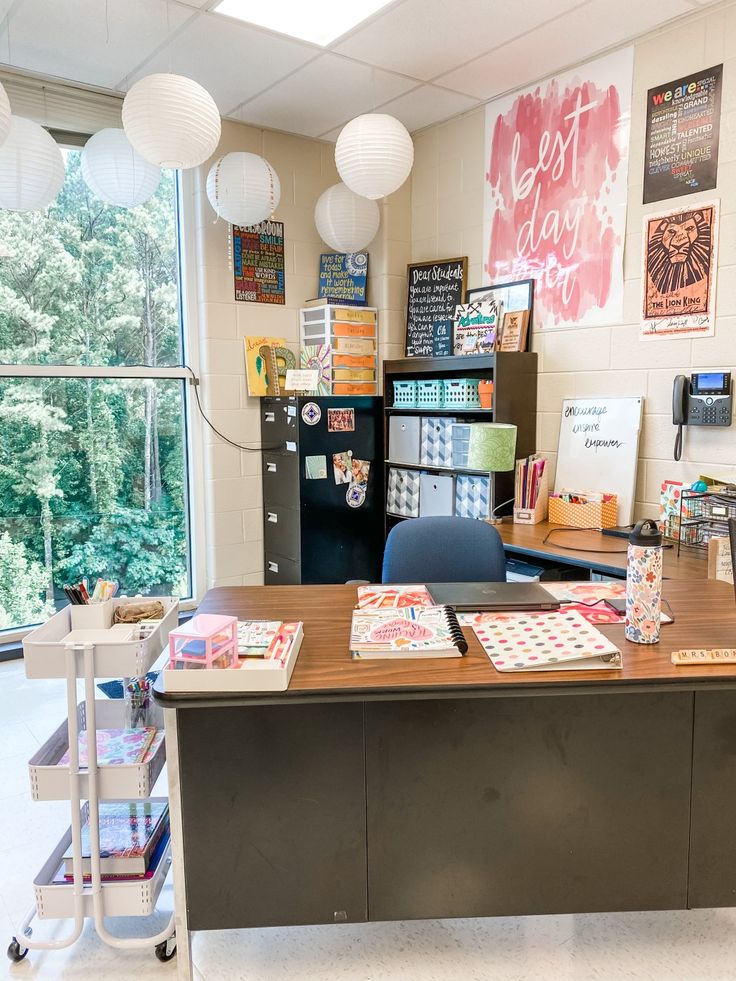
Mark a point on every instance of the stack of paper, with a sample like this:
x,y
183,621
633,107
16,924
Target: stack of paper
x,y
528,479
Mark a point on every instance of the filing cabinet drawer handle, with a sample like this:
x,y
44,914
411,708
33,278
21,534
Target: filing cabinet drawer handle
x,y
273,567
269,417
270,467
272,517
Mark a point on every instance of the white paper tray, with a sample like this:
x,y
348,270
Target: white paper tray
x,y
45,655
137,897
263,676
51,782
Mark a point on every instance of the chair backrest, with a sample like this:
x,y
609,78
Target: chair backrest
x,y
441,549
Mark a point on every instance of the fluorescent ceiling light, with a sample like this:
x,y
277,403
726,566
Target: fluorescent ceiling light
x,y
318,21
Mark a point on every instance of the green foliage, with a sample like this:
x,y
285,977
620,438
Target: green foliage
x,y
21,582
91,470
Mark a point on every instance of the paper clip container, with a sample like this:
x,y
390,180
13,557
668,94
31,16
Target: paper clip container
x,y
208,640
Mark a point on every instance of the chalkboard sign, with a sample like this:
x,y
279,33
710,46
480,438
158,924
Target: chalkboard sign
x,y
258,262
343,276
442,338
435,289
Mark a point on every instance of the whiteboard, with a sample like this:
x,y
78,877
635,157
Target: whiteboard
x,y
599,448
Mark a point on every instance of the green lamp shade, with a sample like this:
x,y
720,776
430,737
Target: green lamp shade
x,y
492,446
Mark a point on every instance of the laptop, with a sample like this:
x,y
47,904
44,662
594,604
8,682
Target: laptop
x,y
499,596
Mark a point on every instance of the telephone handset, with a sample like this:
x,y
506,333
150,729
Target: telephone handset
x,y
703,399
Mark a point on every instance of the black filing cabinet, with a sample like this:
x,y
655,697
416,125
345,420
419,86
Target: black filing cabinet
x,y
315,530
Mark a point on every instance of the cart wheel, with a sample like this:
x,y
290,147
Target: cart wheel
x,y
16,952
166,949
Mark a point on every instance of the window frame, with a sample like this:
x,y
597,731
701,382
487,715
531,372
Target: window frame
x,y
186,372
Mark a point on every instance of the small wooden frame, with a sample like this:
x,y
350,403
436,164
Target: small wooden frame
x,y
514,331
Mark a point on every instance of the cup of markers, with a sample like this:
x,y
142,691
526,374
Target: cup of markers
x,y
78,594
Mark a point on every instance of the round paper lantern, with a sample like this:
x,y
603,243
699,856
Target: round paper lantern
x,y
344,220
171,121
374,155
31,167
4,115
115,172
243,188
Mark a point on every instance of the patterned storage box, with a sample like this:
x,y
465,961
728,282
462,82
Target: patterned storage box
x,y
472,496
436,445
594,515
461,393
403,492
430,393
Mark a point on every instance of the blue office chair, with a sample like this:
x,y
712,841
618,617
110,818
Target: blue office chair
x,y
438,549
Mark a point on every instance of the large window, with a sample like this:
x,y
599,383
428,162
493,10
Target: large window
x,y
92,423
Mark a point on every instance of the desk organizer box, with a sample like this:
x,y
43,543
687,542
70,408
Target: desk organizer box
x,y
472,496
403,492
436,443
341,343
460,444
603,515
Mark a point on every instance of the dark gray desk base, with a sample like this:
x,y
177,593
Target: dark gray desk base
x,y
406,808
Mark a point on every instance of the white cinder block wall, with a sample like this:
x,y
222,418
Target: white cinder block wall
x,y
232,477
447,216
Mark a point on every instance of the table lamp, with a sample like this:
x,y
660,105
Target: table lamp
x,y
492,448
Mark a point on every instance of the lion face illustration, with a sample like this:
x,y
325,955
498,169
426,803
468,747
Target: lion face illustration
x,y
678,253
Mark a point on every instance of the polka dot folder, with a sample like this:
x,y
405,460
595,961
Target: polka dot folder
x,y
556,641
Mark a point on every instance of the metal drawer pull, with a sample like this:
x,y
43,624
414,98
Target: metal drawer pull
x,y
269,417
270,467
272,517
273,567
290,446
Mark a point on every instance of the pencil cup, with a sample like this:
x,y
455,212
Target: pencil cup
x,y
92,616
137,704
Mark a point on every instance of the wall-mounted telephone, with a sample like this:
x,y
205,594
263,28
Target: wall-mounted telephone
x,y
703,399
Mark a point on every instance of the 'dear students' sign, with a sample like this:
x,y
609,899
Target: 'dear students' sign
x,y
434,290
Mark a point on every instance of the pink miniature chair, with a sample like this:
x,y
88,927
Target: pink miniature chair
x,y
207,640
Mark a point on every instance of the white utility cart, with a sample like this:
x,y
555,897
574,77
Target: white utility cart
x,y
87,655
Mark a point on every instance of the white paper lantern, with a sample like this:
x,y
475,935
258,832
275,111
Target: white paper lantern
x,y
171,121
115,172
243,188
374,154
31,167
344,220
4,115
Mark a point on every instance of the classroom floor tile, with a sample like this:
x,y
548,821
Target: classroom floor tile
x,y
672,946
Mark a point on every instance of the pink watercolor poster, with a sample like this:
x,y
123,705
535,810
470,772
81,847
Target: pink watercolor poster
x,y
555,192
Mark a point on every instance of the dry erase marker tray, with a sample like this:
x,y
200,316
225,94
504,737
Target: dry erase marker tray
x,y
44,649
132,897
130,780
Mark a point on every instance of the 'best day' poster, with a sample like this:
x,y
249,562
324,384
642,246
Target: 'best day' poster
x,y
555,192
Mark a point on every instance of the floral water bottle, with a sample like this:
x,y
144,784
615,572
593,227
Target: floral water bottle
x,y
644,583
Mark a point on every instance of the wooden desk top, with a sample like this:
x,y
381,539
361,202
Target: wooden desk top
x,y
593,550
705,616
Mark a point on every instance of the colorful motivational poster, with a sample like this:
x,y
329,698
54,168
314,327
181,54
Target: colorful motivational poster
x,y
555,192
679,275
683,132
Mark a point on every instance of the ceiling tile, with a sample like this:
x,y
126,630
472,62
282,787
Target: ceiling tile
x,y
442,38
324,94
82,41
233,61
576,37
426,105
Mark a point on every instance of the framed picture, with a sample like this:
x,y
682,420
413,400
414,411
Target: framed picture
x,y
514,330
508,297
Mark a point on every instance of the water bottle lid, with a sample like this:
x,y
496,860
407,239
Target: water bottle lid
x,y
646,532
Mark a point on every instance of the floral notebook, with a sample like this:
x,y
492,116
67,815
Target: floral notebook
x,y
115,747
555,641
408,632
379,597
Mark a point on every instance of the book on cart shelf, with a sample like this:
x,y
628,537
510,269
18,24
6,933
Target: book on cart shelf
x,y
129,832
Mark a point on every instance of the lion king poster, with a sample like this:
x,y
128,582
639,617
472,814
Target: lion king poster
x,y
679,275
556,190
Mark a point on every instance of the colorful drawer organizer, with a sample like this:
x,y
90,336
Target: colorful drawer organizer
x,y
341,342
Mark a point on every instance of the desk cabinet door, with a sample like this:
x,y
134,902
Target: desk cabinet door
x,y
273,806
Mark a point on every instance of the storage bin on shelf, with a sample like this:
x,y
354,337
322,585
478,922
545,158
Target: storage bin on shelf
x,y
461,393
405,394
460,444
430,393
